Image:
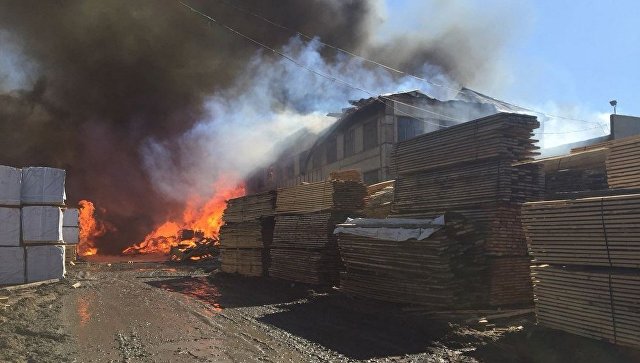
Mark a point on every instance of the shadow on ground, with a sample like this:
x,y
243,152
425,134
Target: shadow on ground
x,y
355,329
537,344
231,291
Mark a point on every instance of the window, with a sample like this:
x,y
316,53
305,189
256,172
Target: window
x,y
332,150
350,142
290,169
302,162
370,135
409,127
371,177
316,158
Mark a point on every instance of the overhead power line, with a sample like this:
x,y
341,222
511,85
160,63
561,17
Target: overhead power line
x,y
349,85
384,66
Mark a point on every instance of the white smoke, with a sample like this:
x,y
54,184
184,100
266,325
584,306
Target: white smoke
x,y
270,101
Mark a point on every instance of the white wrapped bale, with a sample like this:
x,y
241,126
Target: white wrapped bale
x,y
43,186
70,217
10,227
70,235
41,224
10,185
12,266
44,263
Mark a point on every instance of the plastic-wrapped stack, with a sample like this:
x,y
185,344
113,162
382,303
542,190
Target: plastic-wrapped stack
x,y
32,201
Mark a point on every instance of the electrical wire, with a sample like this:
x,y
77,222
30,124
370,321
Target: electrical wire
x,y
373,95
389,68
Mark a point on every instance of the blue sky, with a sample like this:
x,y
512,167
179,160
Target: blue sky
x,y
568,53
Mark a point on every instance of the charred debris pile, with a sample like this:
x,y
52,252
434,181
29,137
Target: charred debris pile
x,y
37,230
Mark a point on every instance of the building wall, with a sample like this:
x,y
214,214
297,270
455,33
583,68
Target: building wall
x,y
624,126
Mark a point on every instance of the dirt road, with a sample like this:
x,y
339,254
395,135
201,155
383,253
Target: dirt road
x,y
151,312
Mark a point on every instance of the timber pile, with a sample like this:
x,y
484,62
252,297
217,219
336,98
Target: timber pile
x,y
304,248
590,281
379,200
510,281
481,170
443,270
246,236
595,303
469,184
250,207
321,196
503,136
600,231
623,163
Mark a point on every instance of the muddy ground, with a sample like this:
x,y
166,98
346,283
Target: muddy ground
x,y
157,312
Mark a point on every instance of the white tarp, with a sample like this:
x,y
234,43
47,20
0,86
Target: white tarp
x,y
10,180
44,263
70,235
70,217
10,227
391,229
43,186
12,266
41,224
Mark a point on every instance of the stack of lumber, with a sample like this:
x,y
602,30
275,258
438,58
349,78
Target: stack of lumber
x,y
320,196
502,136
304,248
250,207
379,200
576,172
246,236
595,303
601,231
468,184
623,163
352,175
480,170
442,270
589,280
510,281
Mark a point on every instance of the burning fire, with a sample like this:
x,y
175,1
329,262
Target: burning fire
x,y
90,229
206,218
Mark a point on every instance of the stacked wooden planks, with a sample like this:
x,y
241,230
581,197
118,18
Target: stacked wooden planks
x,y
502,136
599,231
623,163
441,271
246,236
592,302
379,200
510,280
251,207
320,196
589,280
304,248
477,169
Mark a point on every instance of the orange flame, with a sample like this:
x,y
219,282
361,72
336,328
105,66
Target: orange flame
x,y
90,229
196,216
